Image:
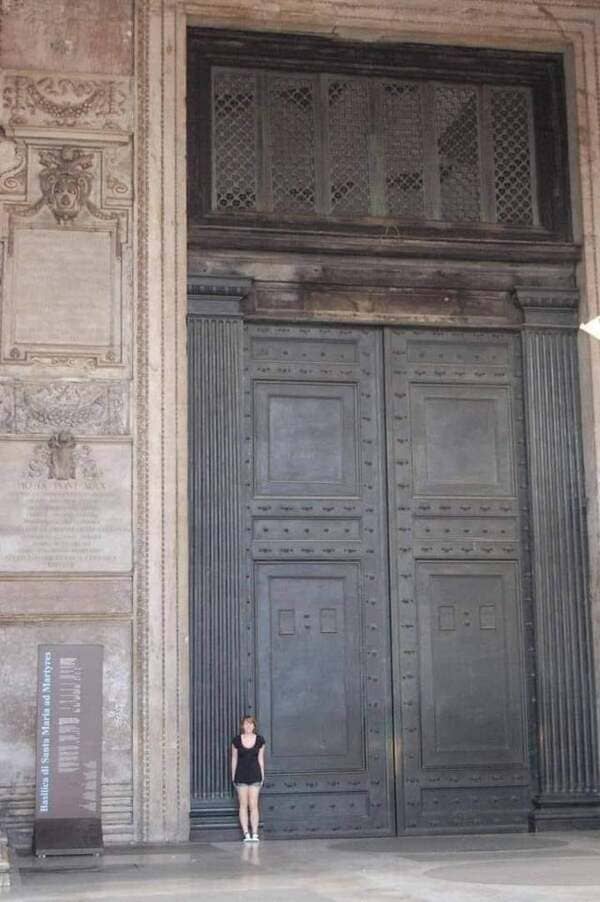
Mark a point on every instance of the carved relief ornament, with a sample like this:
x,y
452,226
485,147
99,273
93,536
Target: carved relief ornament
x,y
66,181
62,459
88,408
43,99
13,167
67,223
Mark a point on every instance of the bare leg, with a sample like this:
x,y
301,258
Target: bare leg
x,y
242,792
253,793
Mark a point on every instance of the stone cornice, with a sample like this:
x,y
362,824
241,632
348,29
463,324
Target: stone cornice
x,y
547,308
216,295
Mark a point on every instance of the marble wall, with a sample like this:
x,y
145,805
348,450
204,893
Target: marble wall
x,y
66,448
93,432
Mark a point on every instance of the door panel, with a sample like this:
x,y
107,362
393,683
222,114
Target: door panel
x,y
461,440
317,613
469,664
457,485
309,618
305,438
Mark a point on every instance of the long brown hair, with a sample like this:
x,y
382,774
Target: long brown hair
x,y
248,717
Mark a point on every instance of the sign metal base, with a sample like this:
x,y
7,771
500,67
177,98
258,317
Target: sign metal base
x,y
67,836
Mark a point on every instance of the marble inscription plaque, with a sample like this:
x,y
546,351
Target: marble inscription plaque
x,y
57,304
66,506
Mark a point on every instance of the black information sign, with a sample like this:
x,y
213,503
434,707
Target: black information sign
x,y
69,750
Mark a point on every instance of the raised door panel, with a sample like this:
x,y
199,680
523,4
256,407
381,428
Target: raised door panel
x,y
470,666
461,440
308,615
317,612
306,438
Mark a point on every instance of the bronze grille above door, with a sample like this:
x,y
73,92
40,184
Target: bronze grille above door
x,y
287,131
340,147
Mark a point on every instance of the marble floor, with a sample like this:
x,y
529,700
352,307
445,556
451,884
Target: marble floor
x,y
506,868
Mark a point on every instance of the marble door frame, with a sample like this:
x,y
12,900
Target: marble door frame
x,y
161,728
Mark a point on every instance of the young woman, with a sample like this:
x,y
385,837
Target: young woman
x,y
248,773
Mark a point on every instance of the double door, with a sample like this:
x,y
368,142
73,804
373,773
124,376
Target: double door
x,y
384,620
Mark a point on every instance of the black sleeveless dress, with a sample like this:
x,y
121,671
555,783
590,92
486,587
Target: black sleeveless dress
x,y
247,770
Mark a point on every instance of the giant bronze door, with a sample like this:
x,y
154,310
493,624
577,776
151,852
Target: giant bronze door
x,y
384,615
461,603
317,624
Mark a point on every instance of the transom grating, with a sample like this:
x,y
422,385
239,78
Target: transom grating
x,y
357,148
292,144
348,107
235,155
403,149
512,156
457,128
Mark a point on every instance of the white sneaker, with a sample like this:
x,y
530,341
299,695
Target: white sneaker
x,y
254,838
247,838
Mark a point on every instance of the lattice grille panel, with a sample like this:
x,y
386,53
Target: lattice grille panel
x,y
512,156
344,147
348,105
457,126
403,149
235,140
292,144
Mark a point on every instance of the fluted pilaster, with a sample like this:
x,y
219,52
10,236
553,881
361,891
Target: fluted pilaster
x,y
215,333
567,734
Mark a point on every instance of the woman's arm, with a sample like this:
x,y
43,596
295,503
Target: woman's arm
x,y
261,761
234,756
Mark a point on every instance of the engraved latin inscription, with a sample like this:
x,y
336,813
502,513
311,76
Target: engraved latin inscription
x,y
67,506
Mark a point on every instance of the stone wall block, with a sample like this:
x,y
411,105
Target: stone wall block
x,y
70,37
31,598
